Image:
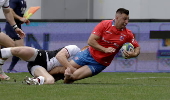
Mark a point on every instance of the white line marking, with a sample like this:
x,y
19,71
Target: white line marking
x,y
146,77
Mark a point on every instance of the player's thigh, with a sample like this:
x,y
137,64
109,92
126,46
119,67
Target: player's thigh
x,y
82,72
6,41
24,52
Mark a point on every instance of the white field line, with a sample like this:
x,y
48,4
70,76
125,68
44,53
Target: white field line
x,y
146,77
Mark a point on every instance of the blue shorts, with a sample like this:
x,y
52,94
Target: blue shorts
x,y
11,32
84,58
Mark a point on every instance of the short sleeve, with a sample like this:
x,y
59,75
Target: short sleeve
x,y
72,49
132,39
6,4
98,30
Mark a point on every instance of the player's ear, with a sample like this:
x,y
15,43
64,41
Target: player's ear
x,y
116,16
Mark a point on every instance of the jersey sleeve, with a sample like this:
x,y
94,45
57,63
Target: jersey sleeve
x,y
98,30
6,4
132,39
72,49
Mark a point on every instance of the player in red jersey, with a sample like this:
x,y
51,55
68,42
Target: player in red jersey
x,y
104,43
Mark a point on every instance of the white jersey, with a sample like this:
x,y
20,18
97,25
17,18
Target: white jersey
x,y
53,62
48,60
4,3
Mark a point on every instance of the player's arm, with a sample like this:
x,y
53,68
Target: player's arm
x,y
136,51
57,70
131,54
97,35
62,56
22,19
92,41
9,16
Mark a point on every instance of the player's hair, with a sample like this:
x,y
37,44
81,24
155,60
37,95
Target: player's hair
x,y
123,10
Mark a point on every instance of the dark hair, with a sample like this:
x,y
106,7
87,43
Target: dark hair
x,y
123,10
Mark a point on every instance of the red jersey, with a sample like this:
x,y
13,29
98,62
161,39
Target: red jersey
x,y
110,36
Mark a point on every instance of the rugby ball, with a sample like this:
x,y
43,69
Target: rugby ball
x,y
128,47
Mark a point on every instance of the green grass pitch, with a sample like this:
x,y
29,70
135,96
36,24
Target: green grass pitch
x,y
104,86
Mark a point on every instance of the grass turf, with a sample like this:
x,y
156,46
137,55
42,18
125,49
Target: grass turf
x,y
104,86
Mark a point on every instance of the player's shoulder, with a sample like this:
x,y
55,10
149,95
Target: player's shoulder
x,y
128,31
106,21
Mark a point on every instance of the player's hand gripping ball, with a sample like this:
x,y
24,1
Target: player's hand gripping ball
x,y
128,47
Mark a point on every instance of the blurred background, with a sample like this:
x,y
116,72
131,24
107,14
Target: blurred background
x,y
98,9
62,22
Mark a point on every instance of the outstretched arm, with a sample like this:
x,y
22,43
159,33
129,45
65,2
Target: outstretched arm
x,y
22,19
9,17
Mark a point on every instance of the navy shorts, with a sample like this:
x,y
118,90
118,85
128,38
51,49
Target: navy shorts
x,y
11,32
84,58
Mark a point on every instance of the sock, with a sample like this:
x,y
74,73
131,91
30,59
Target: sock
x,y
40,80
1,63
6,53
14,62
1,70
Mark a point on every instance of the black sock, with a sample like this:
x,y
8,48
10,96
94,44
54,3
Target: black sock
x,y
14,62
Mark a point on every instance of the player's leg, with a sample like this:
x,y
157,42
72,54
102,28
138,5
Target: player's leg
x,y
80,73
90,67
41,76
40,71
12,65
15,59
23,52
5,41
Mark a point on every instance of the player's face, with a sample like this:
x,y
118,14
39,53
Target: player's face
x,y
122,20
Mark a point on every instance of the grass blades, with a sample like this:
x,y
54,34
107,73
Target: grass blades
x,y
104,86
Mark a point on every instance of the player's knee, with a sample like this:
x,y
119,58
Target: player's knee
x,y
15,50
49,81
